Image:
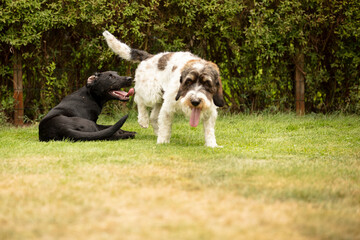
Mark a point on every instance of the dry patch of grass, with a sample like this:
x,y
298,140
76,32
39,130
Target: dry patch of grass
x,y
99,202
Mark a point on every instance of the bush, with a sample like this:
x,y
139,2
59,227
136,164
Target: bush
x,y
255,43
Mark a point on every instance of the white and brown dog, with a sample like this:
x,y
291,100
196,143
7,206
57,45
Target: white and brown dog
x,y
170,82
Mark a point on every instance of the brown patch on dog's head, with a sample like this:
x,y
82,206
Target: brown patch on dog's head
x,y
202,75
163,60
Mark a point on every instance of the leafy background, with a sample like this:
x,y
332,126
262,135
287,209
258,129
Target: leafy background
x,y
255,43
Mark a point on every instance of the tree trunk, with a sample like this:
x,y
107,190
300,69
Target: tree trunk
x,y
18,90
300,85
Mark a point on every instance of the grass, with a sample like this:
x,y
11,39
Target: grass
x,y
276,177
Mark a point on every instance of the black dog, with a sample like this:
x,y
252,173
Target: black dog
x,y
76,115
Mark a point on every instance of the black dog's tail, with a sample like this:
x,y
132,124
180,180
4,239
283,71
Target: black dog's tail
x,y
124,51
99,135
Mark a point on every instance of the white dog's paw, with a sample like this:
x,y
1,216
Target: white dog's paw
x,y
143,121
161,140
143,124
213,145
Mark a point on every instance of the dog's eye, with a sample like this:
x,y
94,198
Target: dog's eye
x,y
188,81
207,84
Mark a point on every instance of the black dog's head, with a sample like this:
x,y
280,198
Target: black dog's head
x,y
108,86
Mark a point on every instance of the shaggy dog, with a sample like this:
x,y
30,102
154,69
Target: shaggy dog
x,y
76,115
171,82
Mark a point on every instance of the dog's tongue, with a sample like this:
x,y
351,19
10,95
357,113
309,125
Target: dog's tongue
x,y
131,92
195,117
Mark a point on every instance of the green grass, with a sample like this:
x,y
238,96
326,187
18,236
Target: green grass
x,y
276,177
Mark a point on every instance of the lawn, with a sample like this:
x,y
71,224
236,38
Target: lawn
x,y
276,177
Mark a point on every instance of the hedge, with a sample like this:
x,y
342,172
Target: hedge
x,y
255,43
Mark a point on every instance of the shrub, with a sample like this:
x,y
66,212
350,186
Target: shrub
x,y
255,43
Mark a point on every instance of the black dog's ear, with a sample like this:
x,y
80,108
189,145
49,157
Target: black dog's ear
x,y
218,96
91,80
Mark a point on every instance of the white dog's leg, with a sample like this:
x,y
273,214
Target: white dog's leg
x,y
165,123
209,130
154,116
143,116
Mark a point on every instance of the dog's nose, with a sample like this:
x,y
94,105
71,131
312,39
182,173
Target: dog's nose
x,y
129,79
195,102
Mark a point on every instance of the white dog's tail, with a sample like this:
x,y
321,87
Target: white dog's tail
x,y
124,51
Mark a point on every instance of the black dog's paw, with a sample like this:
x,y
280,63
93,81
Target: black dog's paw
x,y
122,134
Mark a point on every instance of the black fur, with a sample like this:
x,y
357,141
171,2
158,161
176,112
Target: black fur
x,y
75,116
139,55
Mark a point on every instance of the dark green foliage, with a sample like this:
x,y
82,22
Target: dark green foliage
x,y
253,42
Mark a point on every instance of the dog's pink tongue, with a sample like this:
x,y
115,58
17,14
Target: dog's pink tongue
x,y
195,117
130,92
